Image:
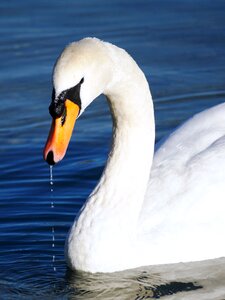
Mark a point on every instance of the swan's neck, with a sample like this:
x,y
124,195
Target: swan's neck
x,y
109,218
124,180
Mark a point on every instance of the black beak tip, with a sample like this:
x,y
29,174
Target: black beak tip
x,y
50,158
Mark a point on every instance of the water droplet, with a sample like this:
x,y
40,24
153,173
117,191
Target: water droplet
x,y
52,206
51,175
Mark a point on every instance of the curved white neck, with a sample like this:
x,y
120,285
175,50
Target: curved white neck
x,y
125,178
110,214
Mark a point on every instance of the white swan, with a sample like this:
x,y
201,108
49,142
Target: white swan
x,y
144,210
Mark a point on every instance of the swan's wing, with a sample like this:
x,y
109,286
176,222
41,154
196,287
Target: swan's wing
x,y
188,175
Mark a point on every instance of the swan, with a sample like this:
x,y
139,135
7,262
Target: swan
x,y
150,206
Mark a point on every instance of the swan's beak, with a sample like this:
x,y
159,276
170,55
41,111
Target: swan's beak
x,y
60,134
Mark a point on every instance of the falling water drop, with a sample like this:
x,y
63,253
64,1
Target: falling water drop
x,y
52,207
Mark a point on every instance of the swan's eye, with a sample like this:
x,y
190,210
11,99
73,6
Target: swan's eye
x,y
57,106
63,117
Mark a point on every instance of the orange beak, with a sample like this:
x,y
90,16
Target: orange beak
x,y
60,134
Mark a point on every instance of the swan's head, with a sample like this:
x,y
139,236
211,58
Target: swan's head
x,y
81,73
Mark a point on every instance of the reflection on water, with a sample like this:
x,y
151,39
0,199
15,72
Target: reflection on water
x,y
180,47
200,280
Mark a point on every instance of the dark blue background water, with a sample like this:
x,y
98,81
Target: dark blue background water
x,y
179,44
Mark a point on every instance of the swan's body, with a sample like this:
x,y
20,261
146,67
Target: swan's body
x,y
144,211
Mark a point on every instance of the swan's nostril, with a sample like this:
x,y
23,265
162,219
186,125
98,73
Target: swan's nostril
x,y
50,158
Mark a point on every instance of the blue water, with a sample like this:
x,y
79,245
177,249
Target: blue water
x,y
180,45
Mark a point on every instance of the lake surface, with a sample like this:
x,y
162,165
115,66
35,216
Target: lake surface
x,y
180,45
